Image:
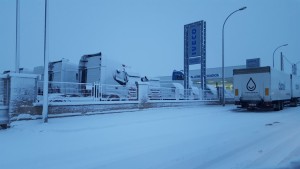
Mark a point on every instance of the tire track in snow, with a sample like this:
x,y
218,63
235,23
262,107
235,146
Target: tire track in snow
x,y
253,151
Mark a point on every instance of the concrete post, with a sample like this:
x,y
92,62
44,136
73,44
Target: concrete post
x,y
142,94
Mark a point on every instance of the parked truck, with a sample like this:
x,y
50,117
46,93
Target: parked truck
x,y
264,87
295,90
111,79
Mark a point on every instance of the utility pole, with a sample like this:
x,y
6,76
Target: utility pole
x,y
223,59
281,62
17,59
45,88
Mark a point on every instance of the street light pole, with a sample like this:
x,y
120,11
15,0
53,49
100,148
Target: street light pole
x,y
17,59
276,50
46,58
223,79
294,68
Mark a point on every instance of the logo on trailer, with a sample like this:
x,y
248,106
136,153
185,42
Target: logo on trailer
x,y
281,86
251,86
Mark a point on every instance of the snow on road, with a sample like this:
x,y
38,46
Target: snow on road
x,y
164,138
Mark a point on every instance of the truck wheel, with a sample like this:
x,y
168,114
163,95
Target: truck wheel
x,y
277,106
114,98
294,103
281,105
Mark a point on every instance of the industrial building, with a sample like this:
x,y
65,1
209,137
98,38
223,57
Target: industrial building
x,y
213,76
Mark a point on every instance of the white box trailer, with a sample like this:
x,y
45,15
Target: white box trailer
x,y
262,87
295,90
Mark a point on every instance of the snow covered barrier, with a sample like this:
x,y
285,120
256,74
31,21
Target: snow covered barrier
x,y
88,108
22,94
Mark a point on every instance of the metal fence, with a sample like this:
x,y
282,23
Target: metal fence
x,y
117,92
68,92
163,93
65,88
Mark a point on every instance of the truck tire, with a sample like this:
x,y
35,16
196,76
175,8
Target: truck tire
x,y
294,103
281,105
114,98
277,106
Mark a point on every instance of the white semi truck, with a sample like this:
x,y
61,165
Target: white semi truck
x,y
264,87
110,78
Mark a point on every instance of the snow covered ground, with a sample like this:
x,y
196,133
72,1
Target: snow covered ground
x,y
201,137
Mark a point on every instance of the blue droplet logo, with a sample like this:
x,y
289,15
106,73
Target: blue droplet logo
x,y
251,86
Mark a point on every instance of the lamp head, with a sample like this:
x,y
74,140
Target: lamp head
x,y
243,8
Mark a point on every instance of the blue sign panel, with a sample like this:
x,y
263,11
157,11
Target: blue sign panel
x,y
195,50
194,40
253,63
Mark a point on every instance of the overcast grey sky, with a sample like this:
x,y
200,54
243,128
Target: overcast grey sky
x,y
147,35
